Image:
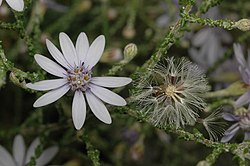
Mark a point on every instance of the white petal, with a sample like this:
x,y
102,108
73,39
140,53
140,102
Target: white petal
x,y
5,158
95,51
51,96
1,2
56,54
107,95
31,150
78,110
111,82
47,156
50,66
17,5
98,108
68,49
82,47
47,84
19,150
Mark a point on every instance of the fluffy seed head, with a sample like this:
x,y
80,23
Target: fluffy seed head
x,y
172,94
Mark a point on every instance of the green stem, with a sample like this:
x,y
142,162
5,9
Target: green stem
x,y
92,153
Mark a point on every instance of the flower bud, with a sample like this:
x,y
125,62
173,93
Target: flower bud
x,y
112,14
16,80
13,78
4,11
111,55
128,32
243,24
130,51
84,6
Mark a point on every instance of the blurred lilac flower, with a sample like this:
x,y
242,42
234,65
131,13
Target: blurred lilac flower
x,y
242,122
244,68
17,5
75,71
21,158
242,119
207,43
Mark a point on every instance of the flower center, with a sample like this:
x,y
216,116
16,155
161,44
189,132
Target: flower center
x,y
245,121
78,78
170,90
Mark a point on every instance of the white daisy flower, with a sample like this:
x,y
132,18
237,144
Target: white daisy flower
x,y
22,158
76,74
17,5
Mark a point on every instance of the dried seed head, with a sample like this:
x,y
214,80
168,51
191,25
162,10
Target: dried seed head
x,y
172,94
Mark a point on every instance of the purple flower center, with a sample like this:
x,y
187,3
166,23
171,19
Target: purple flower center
x,y
78,78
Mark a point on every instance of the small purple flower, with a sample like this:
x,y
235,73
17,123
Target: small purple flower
x,y
244,68
75,72
242,118
242,122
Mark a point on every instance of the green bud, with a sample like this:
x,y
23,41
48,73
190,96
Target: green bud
x,y
130,51
13,78
16,81
243,24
